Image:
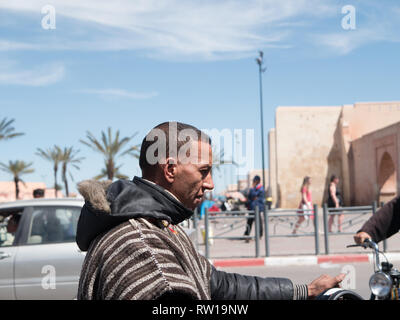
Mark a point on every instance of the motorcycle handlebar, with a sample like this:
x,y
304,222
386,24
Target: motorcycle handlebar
x,y
368,243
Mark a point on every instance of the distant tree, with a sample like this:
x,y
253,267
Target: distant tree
x,y
68,156
7,131
52,155
114,172
17,169
111,147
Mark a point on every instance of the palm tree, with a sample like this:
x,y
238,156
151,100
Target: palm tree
x,y
68,156
110,147
17,169
115,173
53,155
6,131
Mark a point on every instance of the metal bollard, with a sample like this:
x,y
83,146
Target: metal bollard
x,y
325,214
257,232
316,229
266,232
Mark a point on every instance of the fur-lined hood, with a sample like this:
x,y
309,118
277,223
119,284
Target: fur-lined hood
x,y
110,204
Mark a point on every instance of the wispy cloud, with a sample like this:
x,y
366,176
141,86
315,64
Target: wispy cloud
x,y
343,43
376,22
6,45
12,74
200,30
206,30
120,93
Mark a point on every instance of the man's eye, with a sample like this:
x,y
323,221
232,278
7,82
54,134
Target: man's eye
x,y
205,172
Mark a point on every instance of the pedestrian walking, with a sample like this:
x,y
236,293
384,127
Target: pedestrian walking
x,y
335,201
305,203
255,199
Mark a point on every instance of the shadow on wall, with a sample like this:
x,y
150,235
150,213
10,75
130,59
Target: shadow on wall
x,y
387,184
352,176
334,160
278,196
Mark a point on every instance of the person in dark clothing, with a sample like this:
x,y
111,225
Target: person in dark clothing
x,y
334,201
255,199
135,246
382,225
38,193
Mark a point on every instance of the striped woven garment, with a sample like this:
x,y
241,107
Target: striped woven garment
x,y
140,260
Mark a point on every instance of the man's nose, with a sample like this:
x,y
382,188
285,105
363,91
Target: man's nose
x,y
208,182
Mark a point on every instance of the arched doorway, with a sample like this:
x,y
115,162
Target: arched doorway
x,y
387,182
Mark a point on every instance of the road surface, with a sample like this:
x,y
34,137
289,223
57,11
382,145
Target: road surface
x,y
357,279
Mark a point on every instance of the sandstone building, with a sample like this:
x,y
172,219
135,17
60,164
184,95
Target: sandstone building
x,y
360,143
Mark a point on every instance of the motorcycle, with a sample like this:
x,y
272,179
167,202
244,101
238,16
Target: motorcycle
x,y
384,283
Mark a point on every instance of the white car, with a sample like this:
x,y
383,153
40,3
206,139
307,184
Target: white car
x,y
41,260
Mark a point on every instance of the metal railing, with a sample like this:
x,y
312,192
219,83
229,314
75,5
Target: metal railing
x,y
291,213
255,214
356,217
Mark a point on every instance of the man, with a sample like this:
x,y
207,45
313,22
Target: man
x,y
382,225
38,193
255,199
13,222
135,248
12,226
335,201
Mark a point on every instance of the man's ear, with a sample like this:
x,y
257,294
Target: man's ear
x,y
169,170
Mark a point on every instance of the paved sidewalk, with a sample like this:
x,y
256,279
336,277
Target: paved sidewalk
x,y
289,249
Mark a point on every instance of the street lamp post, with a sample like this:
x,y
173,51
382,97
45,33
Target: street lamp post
x,y
259,61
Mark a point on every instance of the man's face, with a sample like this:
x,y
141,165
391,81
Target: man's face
x,y
12,225
194,178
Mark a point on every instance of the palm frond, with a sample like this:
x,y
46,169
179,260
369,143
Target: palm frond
x,y
111,146
7,131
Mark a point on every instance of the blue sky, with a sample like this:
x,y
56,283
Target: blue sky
x,y
133,64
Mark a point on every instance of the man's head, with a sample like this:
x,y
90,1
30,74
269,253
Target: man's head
x,y
38,193
178,157
256,180
12,224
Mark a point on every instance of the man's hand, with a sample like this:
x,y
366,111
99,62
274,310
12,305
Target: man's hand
x,y
360,237
323,283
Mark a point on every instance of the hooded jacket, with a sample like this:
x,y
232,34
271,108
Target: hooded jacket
x,y
136,250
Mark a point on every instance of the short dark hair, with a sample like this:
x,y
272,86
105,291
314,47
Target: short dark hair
x,y
333,177
15,218
38,193
257,179
144,164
